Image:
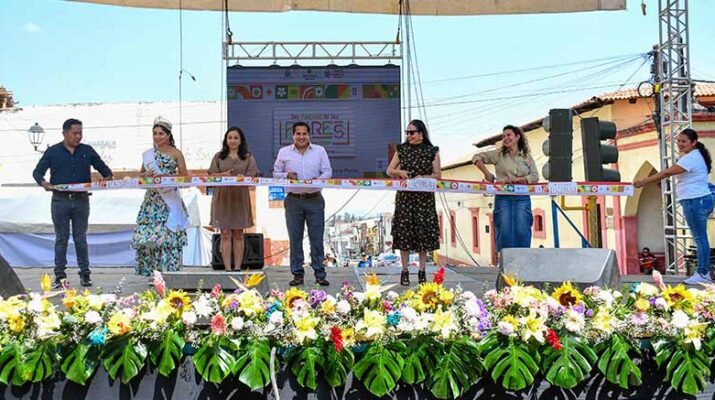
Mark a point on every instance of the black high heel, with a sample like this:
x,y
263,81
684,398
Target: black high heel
x,y
405,278
421,277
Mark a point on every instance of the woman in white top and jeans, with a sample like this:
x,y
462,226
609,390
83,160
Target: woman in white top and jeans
x,y
694,195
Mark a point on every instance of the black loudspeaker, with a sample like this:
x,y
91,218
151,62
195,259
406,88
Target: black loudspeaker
x,y
11,284
252,251
583,267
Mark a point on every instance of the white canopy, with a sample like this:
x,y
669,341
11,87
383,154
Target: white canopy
x,y
417,7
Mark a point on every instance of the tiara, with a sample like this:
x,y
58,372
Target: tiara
x,y
163,122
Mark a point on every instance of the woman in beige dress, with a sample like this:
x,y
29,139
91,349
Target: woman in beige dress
x,y
231,206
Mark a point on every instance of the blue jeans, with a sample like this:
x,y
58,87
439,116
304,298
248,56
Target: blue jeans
x,y
512,221
696,213
70,209
299,212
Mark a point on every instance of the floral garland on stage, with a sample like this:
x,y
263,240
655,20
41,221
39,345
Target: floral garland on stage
x,y
444,339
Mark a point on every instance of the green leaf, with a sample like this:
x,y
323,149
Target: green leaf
x,y
124,354
616,362
305,364
336,366
513,363
253,366
12,361
380,368
40,362
456,369
213,360
688,370
570,365
80,364
418,360
168,352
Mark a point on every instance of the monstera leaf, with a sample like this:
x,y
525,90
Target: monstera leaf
x,y
380,367
253,366
615,361
80,363
124,355
687,369
305,365
457,368
569,365
214,359
167,353
418,361
337,365
12,362
512,363
40,362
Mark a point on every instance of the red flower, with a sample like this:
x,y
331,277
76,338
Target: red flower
x,y
216,290
218,324
336,336
439,276
553,339
387,305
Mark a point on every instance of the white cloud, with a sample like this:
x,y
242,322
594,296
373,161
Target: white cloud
x,y
31,27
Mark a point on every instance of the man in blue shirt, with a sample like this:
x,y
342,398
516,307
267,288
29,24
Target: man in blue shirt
x,y
69,162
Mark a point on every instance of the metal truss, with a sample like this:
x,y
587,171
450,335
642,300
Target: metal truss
x,y
675,98
302,51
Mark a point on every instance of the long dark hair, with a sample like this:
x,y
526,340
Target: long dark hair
x,y
242,148
420,127
522,143
168,132
693,136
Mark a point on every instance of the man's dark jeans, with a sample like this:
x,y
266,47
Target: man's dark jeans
x,y
70,208
299,212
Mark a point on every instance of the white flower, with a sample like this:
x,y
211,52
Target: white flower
x,y
505,328
647,290
189,318
343,307
35,305
95,301
203,307
237,323
573,321
471,307
661,304
392,295
108,298
469,296
276,318
606,297
680,319
359,297
422,321
92,317
48,325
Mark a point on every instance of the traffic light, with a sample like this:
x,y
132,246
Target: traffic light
x,y
558,147
596,154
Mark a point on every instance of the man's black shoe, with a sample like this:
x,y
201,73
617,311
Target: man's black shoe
x,y
322,282
58,284
85,281
297,280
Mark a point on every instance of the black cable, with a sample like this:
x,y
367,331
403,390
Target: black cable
x,y
445,207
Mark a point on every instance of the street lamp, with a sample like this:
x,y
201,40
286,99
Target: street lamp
x,y
36,135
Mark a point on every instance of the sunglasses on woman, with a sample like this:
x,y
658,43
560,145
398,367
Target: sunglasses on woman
x,y
410,132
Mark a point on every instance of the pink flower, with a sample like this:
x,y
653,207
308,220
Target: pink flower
x,y
159,284
658,280
218,324
216,290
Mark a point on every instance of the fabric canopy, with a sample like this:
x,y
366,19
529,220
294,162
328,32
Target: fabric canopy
x,y
417,7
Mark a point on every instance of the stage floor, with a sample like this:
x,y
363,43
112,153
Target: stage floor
x,y
475,279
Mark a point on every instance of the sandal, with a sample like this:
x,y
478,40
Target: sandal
x,y
421,277
405,278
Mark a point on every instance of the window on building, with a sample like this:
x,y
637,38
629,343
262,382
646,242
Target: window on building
x,y
539,227
452,229
475,229
441,229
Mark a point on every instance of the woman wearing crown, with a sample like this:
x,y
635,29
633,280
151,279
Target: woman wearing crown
x,y
160,235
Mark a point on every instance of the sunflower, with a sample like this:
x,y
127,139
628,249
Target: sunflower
x,y
679,298
567,295
427,296
294,294
178,299
510,280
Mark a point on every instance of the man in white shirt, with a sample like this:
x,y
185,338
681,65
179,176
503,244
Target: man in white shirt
x,y
304,160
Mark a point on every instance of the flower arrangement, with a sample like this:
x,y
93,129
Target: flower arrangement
x,y
439,337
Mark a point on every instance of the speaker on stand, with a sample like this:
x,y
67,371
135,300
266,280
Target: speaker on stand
x,y
252,252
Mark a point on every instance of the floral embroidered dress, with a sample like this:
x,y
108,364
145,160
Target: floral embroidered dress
x,y
157,246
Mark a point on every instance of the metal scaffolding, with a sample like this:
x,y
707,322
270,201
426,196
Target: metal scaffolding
x,y
302,51
675,98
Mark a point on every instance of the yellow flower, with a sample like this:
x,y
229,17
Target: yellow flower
x,y
679,298
45,283
294,294
694,333
443,323
510,319
642,305
533,327
10,308
446,296
254,280
372,323
348,336
119,324
305,328
604,321
567,295
510,280
178,300
372,279
228,300
250,302
16,323
427,296
328,306
70,299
